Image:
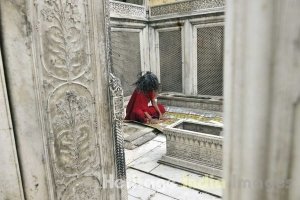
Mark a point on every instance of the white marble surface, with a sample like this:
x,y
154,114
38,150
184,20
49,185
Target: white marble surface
x,y
132,198
131,155
204,183
159,196
160,138
143,193
148,162
165,187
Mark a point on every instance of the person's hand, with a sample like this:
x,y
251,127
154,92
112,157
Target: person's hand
x,y
153,121
160,117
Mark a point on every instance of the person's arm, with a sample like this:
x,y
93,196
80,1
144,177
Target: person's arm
x,y
154,104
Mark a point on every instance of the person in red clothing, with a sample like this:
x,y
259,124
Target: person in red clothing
x,y
146,91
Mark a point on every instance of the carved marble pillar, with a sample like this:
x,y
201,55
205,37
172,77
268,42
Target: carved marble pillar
x,y
189,75
262,100
57,68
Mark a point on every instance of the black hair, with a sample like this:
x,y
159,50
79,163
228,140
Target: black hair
x,y
147,82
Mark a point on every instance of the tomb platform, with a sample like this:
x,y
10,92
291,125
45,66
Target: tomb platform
x,y
196,102
194,146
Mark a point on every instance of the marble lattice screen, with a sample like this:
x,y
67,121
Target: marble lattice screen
x,y
210,44
170,56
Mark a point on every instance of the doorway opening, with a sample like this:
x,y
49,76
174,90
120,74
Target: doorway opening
x,y
182,43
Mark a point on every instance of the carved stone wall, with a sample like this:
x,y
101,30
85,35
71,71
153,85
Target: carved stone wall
x,y
60,98
126,58
127,10
68,79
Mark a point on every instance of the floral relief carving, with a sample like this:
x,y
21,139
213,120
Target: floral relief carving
x,y
86,188
73,132
64,43
72,129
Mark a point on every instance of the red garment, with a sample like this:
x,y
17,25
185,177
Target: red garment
x,y
138,105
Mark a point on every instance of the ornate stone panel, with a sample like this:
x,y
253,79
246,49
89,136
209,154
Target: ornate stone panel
x,y
64,41
83,188
194,150
127,10
118,116
72,133
66,72
186,6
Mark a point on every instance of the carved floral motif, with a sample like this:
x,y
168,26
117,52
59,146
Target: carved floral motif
x,y
64,52
64,39
86,188
71,126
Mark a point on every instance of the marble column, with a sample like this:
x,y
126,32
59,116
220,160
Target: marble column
x,y
189,72
262,100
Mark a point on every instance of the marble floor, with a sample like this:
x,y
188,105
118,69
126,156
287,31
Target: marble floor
x,y
147,179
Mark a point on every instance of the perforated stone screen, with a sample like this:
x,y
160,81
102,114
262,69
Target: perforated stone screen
x,y
210,60
126,58
170,50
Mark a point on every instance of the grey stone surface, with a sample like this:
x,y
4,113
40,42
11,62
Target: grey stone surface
x,y
197,102
143,139
133,131
129,146
200,128
126,58
136,135
16,33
